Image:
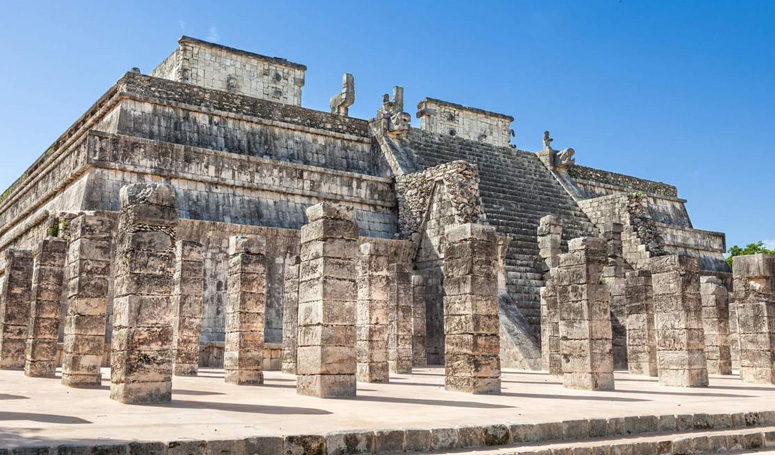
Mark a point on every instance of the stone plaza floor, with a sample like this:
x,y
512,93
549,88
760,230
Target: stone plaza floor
x,y
36,410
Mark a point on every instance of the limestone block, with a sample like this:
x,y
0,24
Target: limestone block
x,y
678,321
88,268
419,325
585,316
400,318
245,310
328,293
187,303
754,289
142,352
15,300
472,341
47,282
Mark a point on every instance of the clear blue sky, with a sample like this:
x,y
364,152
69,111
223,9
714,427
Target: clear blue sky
x,y
677,91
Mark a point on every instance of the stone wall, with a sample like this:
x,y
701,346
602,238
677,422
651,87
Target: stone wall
x,y
452,119
232,70
596,181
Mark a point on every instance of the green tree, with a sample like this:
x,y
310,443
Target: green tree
x,y
751,248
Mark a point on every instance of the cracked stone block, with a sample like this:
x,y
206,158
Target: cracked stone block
x,y
715,324
290,314
754,288
187,302
15,299
400,318
372,313
641,335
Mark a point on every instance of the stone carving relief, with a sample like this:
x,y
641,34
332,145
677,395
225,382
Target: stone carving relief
x,y
341,102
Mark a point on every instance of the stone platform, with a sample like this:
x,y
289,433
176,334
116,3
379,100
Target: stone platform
x,y
533,406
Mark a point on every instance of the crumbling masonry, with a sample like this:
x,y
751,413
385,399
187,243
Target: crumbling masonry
x,y
755,297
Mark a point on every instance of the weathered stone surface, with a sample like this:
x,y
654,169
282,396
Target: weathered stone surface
x,y
187,302
326,362
291,314
715,324
245,309
15,299
372,313
400,318
472,341
641,334
142,350
614,278
89,264
754,288
47,281
452,119
678,321
549,243
419,325
585,316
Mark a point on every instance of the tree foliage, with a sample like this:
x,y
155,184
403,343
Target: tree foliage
x,y
751,248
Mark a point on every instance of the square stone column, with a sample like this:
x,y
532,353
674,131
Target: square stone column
x,y
400,318
371,313
141,348
471,326
15,300
187,304
327,298
419,323
88,271
715,324
47,280
614,278
585,316
754,287
243,356
551,350
641,335
678,321
290,314
549,240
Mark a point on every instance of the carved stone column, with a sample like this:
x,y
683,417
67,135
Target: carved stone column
x,y
400,320
47,280
585,316
243,356
327,298
419,327
472,341
754,286
614,277
15,299
549,242
291,314
678,321
372,313
141,348
715,324
641,335
88,262
187,302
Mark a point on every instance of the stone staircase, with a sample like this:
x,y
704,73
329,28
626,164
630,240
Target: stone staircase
x,y
516,191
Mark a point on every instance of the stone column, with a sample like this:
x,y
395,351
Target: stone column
x,y
15,300
371,313
678,321
88,271
641,336
419,324
187,304
472,341
327,299
290,314
243,355
47,280
614,277
400,318
585,316
551,351
141,348
549,242
754,288
715,325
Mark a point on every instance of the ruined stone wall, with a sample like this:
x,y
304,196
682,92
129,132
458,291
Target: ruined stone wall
x,y
220,186
597,182
219,67
452,119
